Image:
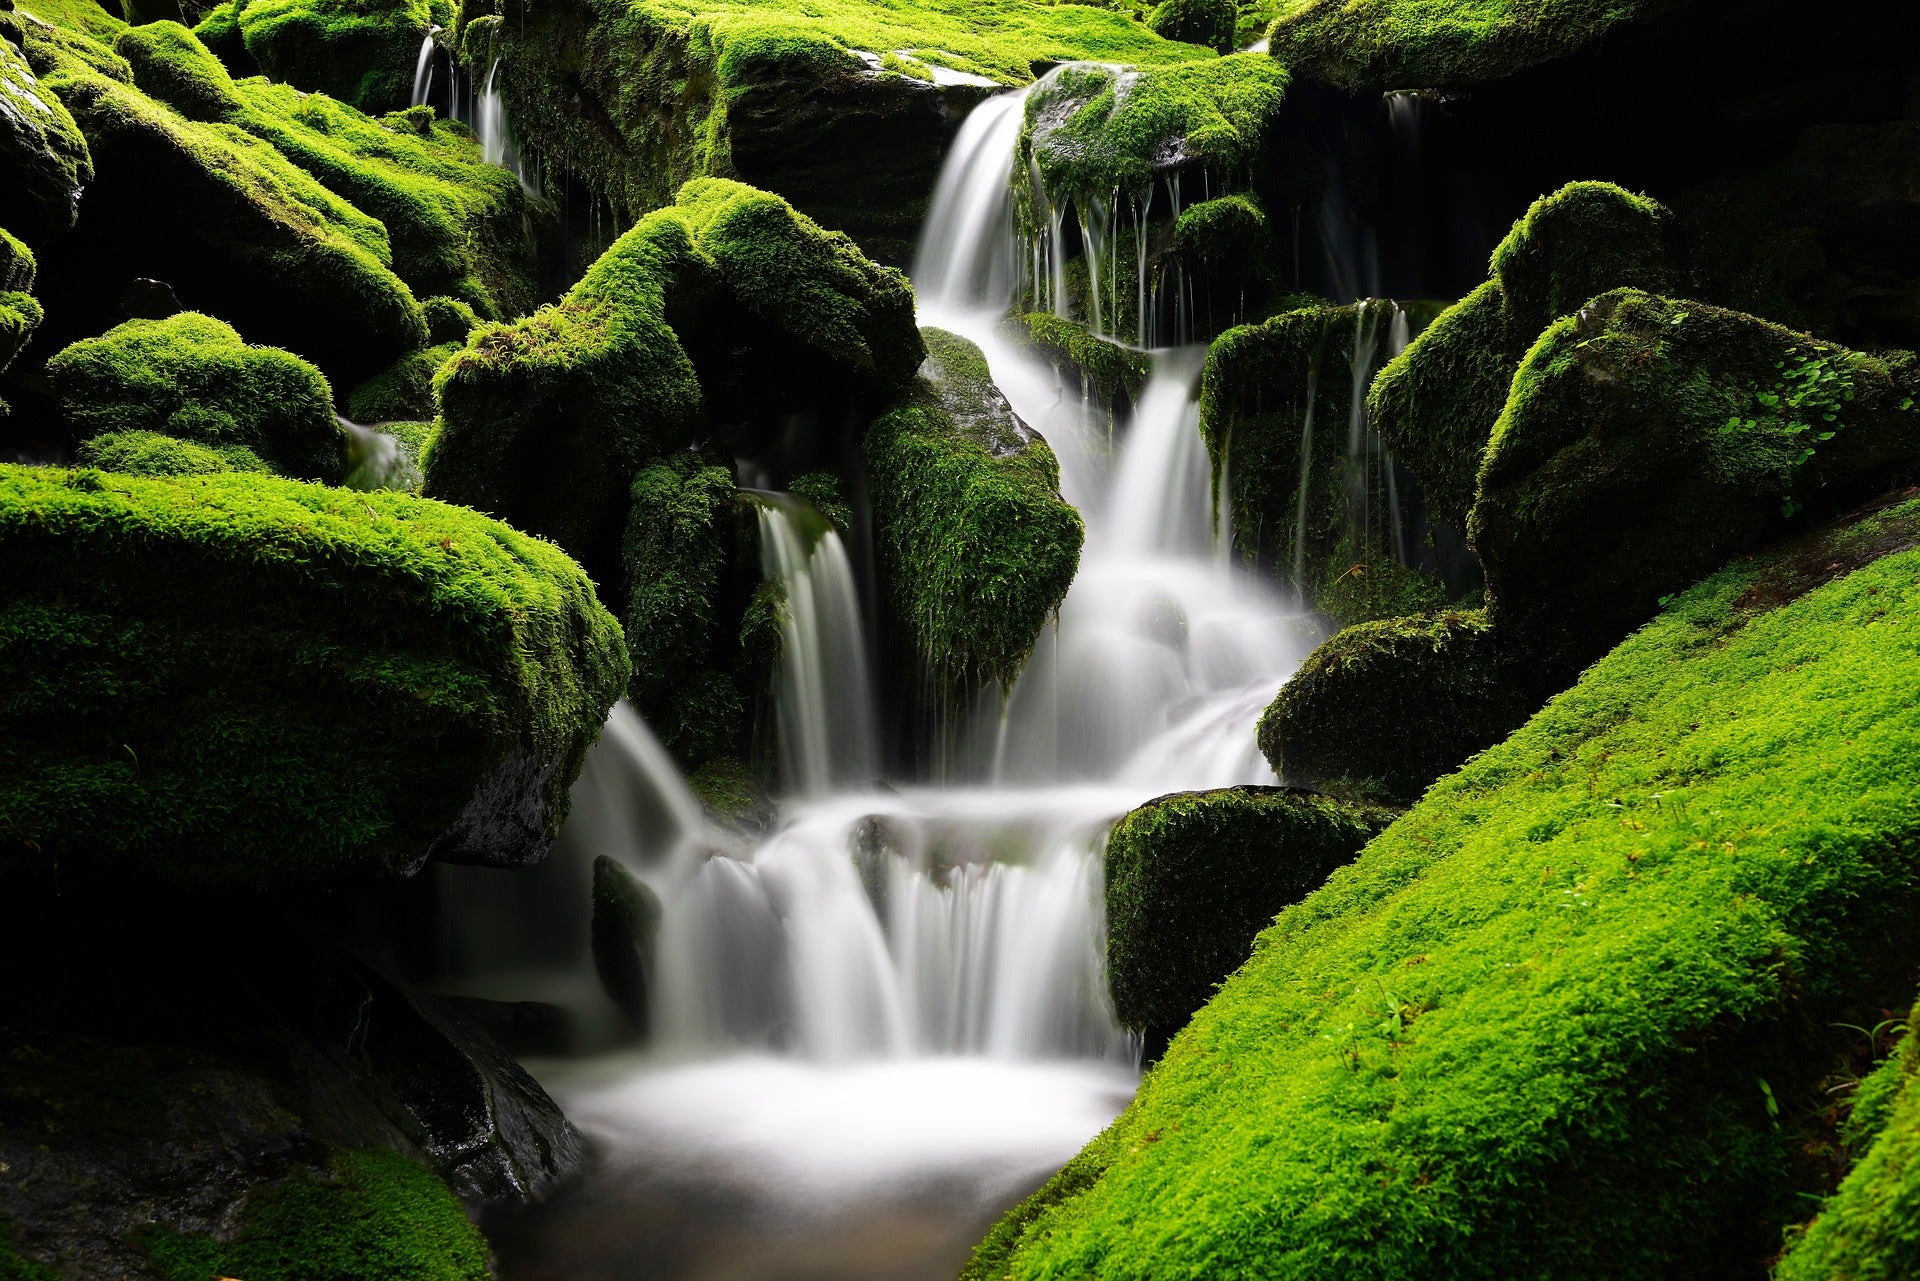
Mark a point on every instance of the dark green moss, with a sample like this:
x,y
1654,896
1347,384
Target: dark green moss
x,y
403,392
1646,440
148,453
1528,1023
821,489
727,788
378,1217
1113,374
976,546
20,313
1385,708
15,1266
360,52
192,377
41,150
1211,23
1192,878
1436,404
626,921
241,680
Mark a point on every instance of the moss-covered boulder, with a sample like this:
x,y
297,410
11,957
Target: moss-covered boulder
x,y
1109,374
1192,878
192,377
148,453
1531,1021
20,312
231,680
404,391
1278,406
976,546
1435,403
359,52
1646,440
1212,23
1869,1230
546,421
42,152
1384,708
1425,44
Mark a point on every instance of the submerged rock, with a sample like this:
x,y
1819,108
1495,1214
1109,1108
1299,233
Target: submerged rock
x,y
192,377
232,680
1192,878
1529,1021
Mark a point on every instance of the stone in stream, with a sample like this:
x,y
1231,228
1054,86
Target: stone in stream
x,y
626,922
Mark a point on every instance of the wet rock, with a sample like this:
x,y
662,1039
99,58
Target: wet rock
x,y
42,152
626,924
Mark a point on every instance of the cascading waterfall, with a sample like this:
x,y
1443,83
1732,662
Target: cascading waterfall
x,y
423,69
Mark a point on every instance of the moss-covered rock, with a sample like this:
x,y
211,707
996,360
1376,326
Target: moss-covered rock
x,y
1531,1020
1384,708
976,546
456,225
1436,403
1425,44
359,52
1211,23
243,233
148,453
42,152
626,921
1646,440
403,392
546,421
1869,1230
1109,373
20,312
1192,878
192,377
239,680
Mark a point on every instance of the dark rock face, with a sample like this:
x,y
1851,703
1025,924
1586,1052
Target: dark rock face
x,y
626,921
42,154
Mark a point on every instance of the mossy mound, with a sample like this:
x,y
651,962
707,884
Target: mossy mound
x,y
1212,23
359,52
42,152
1109,373
375,1216
1426,44
1646,440
148,453
1436,403
545,422
192,377
243,681
1531,1021
1384,708
1094,128
404,392
976,546
243,232
456,225
1869,1230
1192,878
20,313
1276,406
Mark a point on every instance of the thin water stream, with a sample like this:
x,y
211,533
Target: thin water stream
x,y
888,1021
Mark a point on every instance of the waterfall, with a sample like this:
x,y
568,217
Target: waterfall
x,y
423,69
490,122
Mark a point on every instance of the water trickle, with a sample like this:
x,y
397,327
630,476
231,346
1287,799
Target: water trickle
x,y
423,69
490,122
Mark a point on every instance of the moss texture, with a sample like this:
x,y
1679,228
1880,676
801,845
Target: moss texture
x,y
192,377
1425,44
239,680
1112,374
1384,708
1436,403
544,422
378,1217
1869,1230
404,391
20,312
1646,440
1530,1021
456,225
976,546
148,453
360,52
1192,878
1212,23
42,151
1276,401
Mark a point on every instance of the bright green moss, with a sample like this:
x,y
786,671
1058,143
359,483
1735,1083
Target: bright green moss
x,y
403,392
976,546
1225,230
1424,44
20,312
84,17
1436,403
1646,440
1529,1022
376,1217
1384,708
17,265
193,377
1211,23
677,544
1192,878
236,680
1099,129
1869,1230
359,52
148,453
41,148
1113,374
449,320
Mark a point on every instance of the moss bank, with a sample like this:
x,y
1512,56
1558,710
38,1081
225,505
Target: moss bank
x,y
1531,1020
231,680
360,52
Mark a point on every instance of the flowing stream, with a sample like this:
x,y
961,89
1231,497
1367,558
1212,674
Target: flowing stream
x,y
886,1021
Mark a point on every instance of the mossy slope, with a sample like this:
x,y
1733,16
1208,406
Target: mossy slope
x,y
360,52
239,680
976,546
1531,1020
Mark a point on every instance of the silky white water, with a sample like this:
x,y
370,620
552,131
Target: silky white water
x,y
900,988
